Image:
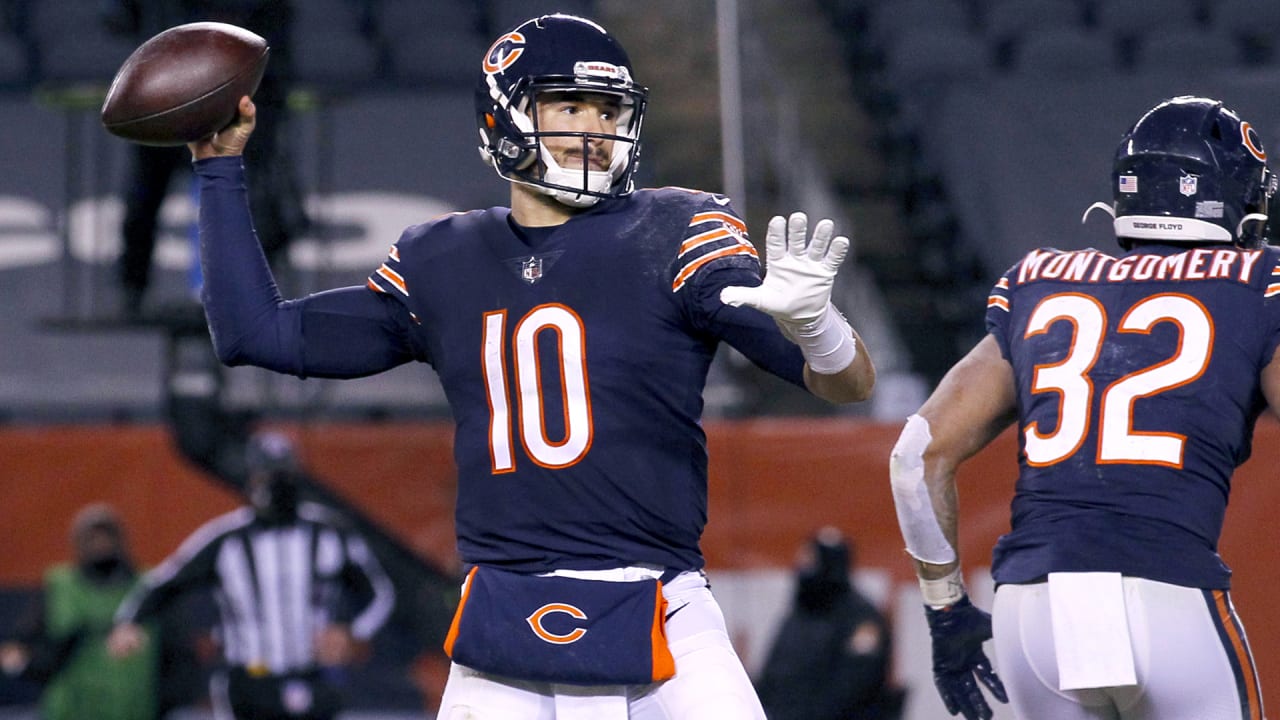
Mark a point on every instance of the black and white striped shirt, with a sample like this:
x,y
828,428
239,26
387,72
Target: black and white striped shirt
x,y
276,584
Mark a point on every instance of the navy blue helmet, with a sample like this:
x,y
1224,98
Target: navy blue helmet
x,y
557,53
1190,170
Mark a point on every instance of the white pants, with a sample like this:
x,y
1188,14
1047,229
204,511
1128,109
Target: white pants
x,y
710,681
1190,655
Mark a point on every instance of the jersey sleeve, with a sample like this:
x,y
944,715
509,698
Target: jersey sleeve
x,y
716,252
338,333
997,318
391,277
714,239
1271,300
388,279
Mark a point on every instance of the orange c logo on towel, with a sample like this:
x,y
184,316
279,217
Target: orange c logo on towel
x,y
535,622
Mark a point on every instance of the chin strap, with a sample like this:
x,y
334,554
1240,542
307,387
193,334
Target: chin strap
x,y
1104,207
596,181
1207,231
1251,217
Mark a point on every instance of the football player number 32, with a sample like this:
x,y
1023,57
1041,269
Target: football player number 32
x,y
1118,442
543,450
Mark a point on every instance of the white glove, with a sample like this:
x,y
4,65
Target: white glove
x,y
798,277
797,291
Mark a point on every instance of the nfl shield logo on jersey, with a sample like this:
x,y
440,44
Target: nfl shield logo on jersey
x,y
531,270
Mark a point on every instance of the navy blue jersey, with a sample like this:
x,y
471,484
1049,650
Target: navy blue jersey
x,y
574,360
1137,392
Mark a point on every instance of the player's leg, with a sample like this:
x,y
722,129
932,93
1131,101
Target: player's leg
x,y
473,695
1192,655
1025,661
710,681
151,172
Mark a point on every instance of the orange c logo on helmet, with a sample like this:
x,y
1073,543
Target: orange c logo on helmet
x,y
504,51
535,622
1251,141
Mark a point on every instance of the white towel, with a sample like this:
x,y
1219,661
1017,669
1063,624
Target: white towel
x,y
1090,630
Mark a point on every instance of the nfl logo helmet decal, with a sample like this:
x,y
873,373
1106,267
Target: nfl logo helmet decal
x,y
1187,185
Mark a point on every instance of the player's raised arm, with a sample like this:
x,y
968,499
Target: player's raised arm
x,y
796,292
349,332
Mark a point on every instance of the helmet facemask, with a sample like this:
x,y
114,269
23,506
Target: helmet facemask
x,y
586,185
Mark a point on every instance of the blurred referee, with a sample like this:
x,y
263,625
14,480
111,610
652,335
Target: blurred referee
x,y
297,591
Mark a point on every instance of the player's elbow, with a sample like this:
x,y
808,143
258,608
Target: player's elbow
x,y
229,353
855,383
243,351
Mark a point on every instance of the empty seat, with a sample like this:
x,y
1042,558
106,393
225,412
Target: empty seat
x,y
1064,52
15,65
1187,51
415,20
89,56
933,54
1255,24
502,15
451,61
334,59
888,19
1005,20
1126,18
345,15
1245,16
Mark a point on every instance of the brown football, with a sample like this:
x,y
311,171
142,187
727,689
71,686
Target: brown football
x,y
184,84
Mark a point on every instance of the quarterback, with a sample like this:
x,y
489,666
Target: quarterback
x,y
572,333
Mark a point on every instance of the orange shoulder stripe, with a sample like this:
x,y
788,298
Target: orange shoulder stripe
x,y
688,270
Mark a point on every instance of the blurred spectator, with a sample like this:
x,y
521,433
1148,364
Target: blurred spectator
x,y
276,200
299,592
830,660
62,645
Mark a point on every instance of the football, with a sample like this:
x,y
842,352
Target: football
x,y
184,84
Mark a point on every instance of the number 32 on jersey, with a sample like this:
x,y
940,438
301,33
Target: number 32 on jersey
x,y
568,331
1118,442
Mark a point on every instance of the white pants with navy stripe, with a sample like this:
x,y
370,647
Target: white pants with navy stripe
x,y
710,681
1190,655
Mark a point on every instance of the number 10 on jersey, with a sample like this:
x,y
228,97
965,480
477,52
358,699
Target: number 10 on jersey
x,y
571,357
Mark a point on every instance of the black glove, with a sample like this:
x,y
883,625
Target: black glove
x,y
958,631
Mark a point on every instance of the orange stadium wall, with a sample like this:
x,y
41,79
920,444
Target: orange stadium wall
x,y
772,482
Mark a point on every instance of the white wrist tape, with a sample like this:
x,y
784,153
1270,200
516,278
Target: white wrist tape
x,y
943,591
916,519
827,342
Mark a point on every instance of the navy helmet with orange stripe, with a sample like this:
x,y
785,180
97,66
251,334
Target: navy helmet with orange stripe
x,y
1190,170
557,53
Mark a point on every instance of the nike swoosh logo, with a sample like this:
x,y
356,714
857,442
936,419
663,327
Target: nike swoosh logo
x,y
721,200
673,612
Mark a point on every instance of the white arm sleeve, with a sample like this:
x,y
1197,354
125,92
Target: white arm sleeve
x,y
916,519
